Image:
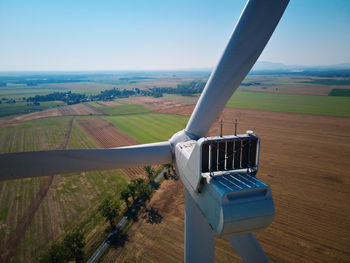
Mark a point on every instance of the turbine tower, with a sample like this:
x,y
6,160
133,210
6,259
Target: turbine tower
x,y
222,192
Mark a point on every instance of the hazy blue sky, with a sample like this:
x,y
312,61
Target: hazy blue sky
x,y
152,34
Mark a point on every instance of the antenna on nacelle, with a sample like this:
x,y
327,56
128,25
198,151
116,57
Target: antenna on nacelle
x,y
235,127
221,128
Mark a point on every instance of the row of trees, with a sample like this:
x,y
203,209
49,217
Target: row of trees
x,y
186,89
68,97
70,249
137,189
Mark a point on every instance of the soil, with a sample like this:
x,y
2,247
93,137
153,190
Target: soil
x,y
107,135
108,103
156,104
18,233
304,160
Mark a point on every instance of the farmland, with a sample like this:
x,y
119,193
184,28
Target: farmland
x,y
305,146
65,199
22,107
310,222
147,128
337,106
119,109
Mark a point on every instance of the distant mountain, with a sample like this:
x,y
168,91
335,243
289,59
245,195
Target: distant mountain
x,y
271,66
265,65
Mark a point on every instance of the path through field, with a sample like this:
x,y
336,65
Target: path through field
x,y
22,225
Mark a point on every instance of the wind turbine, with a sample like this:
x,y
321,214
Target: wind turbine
x,y
222,193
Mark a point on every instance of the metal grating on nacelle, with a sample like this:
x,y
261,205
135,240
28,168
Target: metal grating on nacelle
x,y
229,153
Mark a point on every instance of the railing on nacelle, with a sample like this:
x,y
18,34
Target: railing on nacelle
x,y
230,153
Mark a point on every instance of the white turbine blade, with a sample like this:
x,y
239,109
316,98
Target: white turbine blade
x,y
199,237
41,163
249,248
251,34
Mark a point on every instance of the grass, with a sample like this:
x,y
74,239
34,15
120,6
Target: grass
x,y
340,92
123,109
16,195
22,107
326,105
72,199
19,92
336,82
151,127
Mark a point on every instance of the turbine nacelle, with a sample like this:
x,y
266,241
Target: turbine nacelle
x,y
219,174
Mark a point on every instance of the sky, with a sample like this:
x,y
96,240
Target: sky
x,y
160,34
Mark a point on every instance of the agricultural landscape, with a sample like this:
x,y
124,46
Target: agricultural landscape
x,y
302,118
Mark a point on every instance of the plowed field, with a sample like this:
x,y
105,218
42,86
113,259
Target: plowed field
x,y
108,103
107,136
304,158
156,104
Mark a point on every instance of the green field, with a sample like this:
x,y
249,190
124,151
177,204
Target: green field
x,y
16,195
22,108
123,109
19,92
147,128
326,105
340,92
336,82
71,201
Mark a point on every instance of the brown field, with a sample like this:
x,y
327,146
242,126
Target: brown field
x,y
108,103
107,136
156,104
77,109
304,159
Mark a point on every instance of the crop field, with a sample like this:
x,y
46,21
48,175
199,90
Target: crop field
x,y
22,107
304,152
332,81
340,92
120,108
151,127
107,136
338,106
66,205
297,103
303,159
20,92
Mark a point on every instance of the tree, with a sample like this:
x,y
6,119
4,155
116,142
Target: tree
x,y
132,190
74,242
57,253
145,193
125,194
149,172
109,209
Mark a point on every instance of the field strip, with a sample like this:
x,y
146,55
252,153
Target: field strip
x,y
22,225
71,110
106,135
